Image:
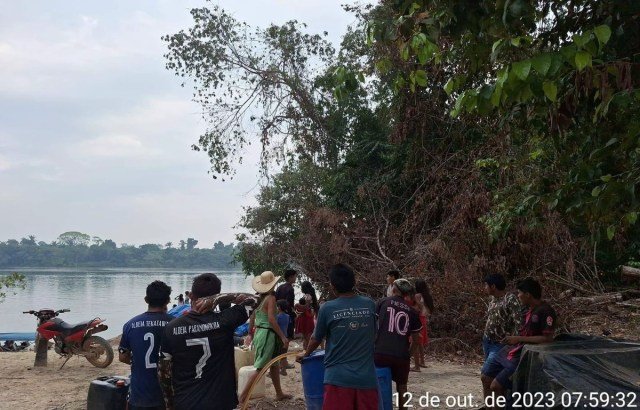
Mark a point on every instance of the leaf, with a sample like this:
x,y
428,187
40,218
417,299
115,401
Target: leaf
x,y
603,33
405,52
503,74
522,68
496,96
632,217
550,90
611,142
606,178
596,191
421,78
541,63
611,231
581,40
582,59
448,87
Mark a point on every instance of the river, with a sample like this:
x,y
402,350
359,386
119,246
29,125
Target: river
x,y
114,294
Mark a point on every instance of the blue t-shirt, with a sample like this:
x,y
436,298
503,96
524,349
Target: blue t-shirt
x,y
141,336
349,325
283,321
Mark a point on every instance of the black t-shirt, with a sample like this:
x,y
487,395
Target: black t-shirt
x,y
538,321
286,292
201,350
396,322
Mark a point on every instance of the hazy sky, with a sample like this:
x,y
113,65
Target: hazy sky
x,y
95,134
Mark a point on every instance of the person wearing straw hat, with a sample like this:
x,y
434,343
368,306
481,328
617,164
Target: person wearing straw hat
x,y
268,339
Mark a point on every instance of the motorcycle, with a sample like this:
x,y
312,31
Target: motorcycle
x,y
77,339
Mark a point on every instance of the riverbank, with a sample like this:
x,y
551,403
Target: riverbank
x,y
24,387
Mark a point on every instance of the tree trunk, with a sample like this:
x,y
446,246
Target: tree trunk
x,y
600,299
42,347
629,271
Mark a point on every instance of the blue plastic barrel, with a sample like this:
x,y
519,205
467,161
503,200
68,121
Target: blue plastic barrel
x,y
313,379
384,388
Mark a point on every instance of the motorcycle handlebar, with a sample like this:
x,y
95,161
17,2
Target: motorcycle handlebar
x,y
29,312
63,311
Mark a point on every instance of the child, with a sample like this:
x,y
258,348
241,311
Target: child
x,y
424,306
304,320
283,321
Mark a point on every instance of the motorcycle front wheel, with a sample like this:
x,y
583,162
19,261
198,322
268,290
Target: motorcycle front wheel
x,y
98,351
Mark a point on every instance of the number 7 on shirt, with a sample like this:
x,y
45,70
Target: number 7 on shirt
x,y
204,342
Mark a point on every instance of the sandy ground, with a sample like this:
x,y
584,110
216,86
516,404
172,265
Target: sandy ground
x,y
24,387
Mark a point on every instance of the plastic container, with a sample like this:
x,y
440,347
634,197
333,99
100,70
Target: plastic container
x,y
242,357
108,393
385,391
243,379
313,379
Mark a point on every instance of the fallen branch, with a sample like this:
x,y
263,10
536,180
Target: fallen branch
x,y
599,299
629,271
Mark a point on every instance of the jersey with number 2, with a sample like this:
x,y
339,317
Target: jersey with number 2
x,y
200,347
141,336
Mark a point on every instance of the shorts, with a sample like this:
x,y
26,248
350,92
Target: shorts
x,y
399,366
346,398
490,350
501,368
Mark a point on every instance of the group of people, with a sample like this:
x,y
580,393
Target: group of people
x,y
187,362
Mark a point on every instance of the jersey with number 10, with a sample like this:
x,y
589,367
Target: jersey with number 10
x,y
200,347
141,336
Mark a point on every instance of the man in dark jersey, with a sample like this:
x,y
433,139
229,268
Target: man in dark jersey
x,y
139,347
196,367
538,328
397,323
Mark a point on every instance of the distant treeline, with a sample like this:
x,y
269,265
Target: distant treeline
x,y
73,249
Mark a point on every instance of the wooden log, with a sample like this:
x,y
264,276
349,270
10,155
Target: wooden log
x,y
631,272
599,299
42,347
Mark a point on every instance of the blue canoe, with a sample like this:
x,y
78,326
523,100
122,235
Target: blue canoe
x,y
19,337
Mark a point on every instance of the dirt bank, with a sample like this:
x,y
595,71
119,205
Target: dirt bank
x,y
25,387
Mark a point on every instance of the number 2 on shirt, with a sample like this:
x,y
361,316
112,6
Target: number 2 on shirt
x,y
205,355
147,357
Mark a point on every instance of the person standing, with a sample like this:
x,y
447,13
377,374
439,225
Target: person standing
x,y
392,275
286,292
538,328
397,323
304,320
268,339
196,366
283,322
504,314
348,325
424,306
139,347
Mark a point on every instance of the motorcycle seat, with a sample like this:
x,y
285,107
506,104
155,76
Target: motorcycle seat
x,y
69,328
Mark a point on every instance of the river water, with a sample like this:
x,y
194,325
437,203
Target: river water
x,y
112,294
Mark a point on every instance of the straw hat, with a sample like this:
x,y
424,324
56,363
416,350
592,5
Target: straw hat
x,y
265,282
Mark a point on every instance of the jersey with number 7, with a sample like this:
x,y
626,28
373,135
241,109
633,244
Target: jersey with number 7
x,y
200,347
141,337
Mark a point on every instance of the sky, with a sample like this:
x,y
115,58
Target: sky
x,y
95,133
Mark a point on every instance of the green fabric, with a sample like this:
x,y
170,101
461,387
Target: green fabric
x,y
266,342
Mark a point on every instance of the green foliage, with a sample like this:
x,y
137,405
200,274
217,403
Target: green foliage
x,y
557,78
107,254
11,282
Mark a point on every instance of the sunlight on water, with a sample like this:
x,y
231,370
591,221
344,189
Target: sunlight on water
x,y
112,294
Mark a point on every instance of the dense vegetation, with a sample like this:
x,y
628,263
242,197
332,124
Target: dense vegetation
x,y
73,249
444,138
